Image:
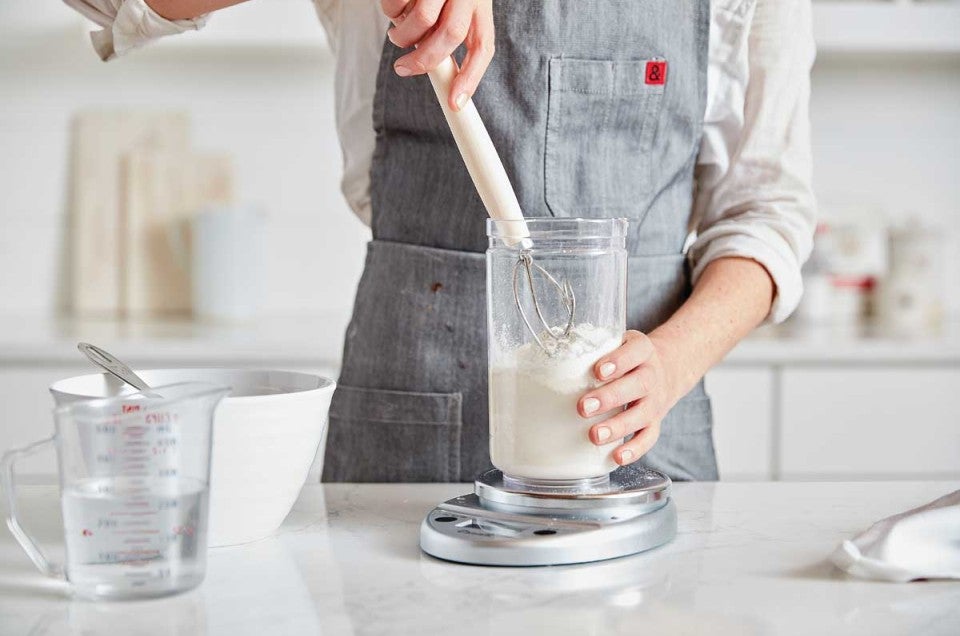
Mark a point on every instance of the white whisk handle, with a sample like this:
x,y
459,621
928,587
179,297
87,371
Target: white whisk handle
x,y
480,156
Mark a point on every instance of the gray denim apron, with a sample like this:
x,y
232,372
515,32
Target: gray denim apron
x,y
589,124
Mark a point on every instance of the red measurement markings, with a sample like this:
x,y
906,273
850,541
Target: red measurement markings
x,y
139,557
136,532
133,491
157,418
135,430
136,522
131,513
135,540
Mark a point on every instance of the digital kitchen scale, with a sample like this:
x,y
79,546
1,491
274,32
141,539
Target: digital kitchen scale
x,y
504,523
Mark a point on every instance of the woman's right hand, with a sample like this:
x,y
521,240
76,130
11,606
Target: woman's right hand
x,y
437,28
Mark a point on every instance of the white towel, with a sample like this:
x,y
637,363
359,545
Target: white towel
x,y
923,543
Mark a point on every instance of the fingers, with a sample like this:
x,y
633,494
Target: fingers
x,y
415,22
637,447
394,8
480,46
451,30
620,425
633,386
635,350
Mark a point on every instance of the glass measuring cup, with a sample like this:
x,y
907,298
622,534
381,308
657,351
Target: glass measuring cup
x,y
134,483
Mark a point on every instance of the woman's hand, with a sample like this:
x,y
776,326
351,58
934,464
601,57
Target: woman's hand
x,y
437,28
635,376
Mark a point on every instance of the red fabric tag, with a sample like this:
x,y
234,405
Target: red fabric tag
x,y
656,72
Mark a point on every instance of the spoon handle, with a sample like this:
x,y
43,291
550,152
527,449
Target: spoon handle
x,y
480,156
111,364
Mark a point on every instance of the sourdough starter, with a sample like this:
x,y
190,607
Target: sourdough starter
x,y
535,429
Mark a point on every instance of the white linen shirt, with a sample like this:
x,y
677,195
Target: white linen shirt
x,y
753,194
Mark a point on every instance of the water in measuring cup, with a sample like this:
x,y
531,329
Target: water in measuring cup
x,y
127,537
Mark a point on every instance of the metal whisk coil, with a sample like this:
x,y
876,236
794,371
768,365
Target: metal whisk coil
x,y
525,265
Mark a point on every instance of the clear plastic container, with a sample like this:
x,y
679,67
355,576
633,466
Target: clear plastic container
x,y
541,362
134,484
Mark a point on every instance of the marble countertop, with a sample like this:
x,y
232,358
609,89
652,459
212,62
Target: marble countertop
x,y
748,559
317,341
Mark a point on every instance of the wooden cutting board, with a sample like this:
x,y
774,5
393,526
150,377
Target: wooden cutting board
x,y
100,141
162,191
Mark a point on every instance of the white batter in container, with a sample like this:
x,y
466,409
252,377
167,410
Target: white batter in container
x,y
535,430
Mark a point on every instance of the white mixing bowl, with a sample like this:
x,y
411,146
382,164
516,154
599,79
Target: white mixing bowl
x,y
265,436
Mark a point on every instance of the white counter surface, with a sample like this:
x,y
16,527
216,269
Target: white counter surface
x,y
749,559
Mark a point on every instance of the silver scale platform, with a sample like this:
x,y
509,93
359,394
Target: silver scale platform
x,y
504,524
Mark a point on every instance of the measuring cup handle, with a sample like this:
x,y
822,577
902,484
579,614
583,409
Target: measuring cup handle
x,y
9,487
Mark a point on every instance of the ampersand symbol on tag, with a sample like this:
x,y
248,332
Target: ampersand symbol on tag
x,y
656,72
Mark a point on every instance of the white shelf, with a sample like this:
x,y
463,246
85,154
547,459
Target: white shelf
x,y
264,26
887,27
298,340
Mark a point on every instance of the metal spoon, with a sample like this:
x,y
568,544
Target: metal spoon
x,y
109,363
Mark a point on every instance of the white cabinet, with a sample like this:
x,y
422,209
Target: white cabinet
x,y
852,422
742,408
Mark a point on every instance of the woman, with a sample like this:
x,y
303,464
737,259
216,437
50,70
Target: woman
x,y
678,115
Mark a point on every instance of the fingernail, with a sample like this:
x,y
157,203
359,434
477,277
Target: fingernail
x,y
626,456
590,405
461,100
603,434
390,37
607,368
401,70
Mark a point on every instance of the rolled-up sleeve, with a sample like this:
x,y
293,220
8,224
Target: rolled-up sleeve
x,y
128,25
754,196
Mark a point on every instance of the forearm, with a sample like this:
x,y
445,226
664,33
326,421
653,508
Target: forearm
x,y
732,297
188,9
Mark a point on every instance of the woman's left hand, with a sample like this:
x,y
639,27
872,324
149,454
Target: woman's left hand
x,y
635,376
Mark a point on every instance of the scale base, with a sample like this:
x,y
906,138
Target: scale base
x,y
477,530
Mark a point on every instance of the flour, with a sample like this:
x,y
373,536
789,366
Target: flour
x,y
535,430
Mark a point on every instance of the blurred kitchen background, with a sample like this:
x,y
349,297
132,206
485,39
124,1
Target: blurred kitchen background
x,y
215,153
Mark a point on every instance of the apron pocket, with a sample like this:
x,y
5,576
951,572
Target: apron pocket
x,y
388,436
601,121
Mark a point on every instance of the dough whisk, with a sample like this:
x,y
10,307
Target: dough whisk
x,y
493,185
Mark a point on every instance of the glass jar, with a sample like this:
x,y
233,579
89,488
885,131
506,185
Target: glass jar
x,y
542,354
